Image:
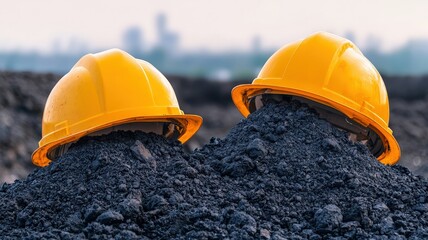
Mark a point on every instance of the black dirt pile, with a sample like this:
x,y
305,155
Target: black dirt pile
x,y
105,186
286,173
280,174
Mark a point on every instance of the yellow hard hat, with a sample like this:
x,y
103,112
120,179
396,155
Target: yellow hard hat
x,y
107,89
332,71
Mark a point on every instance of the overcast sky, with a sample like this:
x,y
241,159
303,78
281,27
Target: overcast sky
x,y
214,25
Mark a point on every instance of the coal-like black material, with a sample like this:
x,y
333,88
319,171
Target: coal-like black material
x,y
296,176
283,173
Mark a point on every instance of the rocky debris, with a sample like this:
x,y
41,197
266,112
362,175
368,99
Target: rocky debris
x,y
256,149
242,220
305,181
142,153
328,218
110,217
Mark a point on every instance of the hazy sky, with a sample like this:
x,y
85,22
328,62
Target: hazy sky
x,y
214,25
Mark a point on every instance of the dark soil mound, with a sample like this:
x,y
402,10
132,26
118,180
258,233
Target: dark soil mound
x,y
103,187
295,175
282,173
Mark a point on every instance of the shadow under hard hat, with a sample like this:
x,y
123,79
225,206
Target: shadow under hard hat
x,y
104,90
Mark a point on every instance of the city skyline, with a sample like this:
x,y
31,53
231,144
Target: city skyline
x,y
167,55
163,43
47,25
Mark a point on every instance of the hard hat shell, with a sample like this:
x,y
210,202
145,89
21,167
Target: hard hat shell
x,y
104,90
332,71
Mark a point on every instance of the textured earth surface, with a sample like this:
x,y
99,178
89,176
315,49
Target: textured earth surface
x,y
283,173
409,120
23,95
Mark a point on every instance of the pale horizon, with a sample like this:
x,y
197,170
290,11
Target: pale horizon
x,y
214,26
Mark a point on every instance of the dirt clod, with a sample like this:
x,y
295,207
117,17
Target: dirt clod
x,y
328,217
110,217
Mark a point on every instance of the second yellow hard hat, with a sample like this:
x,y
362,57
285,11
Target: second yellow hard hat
x,y
107,89
330,70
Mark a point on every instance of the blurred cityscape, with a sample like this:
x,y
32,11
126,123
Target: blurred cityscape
x,y
168,57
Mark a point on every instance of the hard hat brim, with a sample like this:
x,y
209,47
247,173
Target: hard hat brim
x,y
190,122
242,93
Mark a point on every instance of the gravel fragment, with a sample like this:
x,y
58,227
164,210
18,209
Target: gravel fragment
x,y
328,218
110,217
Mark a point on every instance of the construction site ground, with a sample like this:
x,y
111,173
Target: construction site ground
x,y
283,173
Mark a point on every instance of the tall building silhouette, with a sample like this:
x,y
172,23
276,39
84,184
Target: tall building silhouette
x,y
167,41
256,45
133,40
